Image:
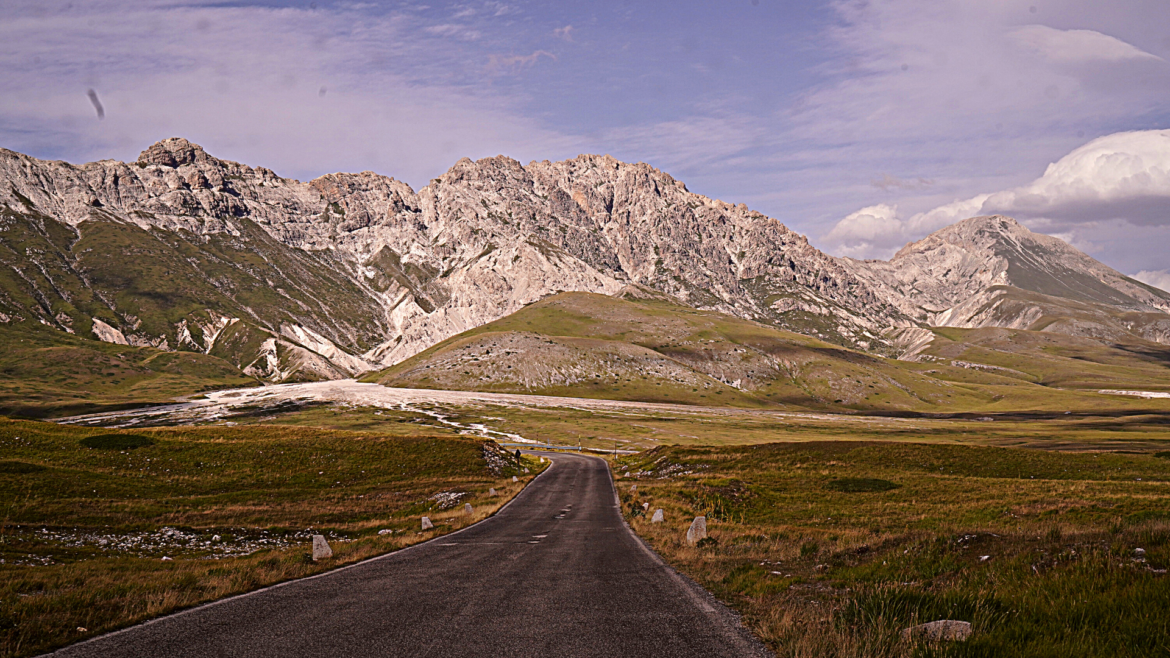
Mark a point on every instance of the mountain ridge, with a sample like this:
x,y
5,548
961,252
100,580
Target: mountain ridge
x,y
348,273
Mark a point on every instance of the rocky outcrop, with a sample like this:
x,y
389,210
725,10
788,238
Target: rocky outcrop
x,y
349,272
480,242
994,272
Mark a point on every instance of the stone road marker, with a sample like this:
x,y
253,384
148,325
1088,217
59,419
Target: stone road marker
x,y
658,517
633,488
426,523
697,531
321,550
645,505
515,479
468,509
492,491
943,630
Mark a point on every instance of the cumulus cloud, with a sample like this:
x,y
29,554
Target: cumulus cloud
x,y
1157,279
1124,176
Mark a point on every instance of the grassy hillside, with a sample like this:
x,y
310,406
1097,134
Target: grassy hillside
x,y
46,373
586,345
1056,360
88,515
175,289
830,549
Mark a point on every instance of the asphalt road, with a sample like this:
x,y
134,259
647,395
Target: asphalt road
x,y
555,573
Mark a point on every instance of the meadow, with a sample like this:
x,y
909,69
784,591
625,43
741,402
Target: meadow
x,y
102,528
832,548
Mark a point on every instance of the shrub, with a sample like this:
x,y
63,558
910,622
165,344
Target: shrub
x,y
862,485
117,441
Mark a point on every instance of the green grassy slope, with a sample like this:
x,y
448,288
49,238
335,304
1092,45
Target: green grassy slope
x,y
587,345
46,373
163,288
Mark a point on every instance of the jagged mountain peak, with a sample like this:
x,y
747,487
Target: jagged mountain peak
x,y
994,271
174,152
976,232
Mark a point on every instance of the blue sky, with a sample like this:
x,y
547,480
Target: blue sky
x,y
861,124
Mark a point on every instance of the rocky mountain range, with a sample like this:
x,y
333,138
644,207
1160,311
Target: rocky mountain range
x,y
349,273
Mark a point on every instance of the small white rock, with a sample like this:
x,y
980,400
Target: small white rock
x,y
515,479
468,509
645,505
215,538
426,523
166,559
633,488
385,531
527,471
943,630
984,558
321,550
697,531
658,516
492,491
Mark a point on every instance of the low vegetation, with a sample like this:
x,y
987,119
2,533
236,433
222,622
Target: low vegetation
x,y
101,528
832,548
47,373
652,350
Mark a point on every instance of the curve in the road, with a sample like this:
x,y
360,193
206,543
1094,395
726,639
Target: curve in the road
x,y
557,572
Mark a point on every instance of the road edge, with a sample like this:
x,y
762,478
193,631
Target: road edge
x,y
748,643
285,583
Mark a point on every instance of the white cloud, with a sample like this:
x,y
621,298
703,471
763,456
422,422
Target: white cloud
x,y
454,30
245,83
867,233
1157,279
1124,176
1078,46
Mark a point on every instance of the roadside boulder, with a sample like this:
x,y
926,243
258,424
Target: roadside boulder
x,y
943,630
697,531
658,517
321,550
426,523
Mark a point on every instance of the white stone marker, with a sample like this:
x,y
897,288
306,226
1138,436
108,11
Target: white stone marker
x,y
633,488
658,517
426,523
697,531
492,491
645,505
515,479
943,630
321,550
467,509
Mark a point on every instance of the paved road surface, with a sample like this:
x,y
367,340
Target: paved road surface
x,y
555,573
